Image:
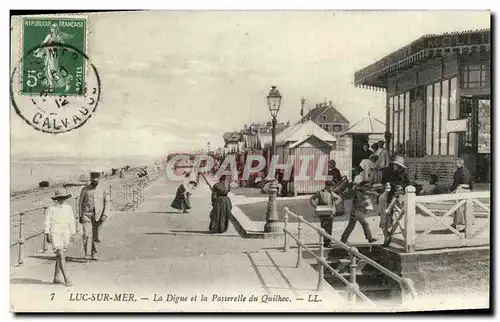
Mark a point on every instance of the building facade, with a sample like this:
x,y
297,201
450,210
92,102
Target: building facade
x,y
438,102
331,120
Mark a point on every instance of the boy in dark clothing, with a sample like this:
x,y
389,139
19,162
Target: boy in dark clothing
x,y
360,203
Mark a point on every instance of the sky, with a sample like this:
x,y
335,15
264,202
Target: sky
x,y
173,81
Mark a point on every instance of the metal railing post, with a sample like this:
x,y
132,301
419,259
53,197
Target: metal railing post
x,y
299,247
285,233
321,269
44,240
20,241
353,265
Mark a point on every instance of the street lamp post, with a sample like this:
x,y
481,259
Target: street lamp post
x,y
274,103
302,102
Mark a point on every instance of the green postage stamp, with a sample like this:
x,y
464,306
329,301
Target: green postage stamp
x,y
53,51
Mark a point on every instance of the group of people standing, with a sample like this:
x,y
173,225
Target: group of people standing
x,y
380,180
61,226
221,204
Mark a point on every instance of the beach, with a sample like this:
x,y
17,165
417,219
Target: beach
x,y
27,171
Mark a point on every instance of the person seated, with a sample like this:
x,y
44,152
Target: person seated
x,y
431,187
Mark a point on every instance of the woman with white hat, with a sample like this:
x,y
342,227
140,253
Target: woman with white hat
x,y
60,227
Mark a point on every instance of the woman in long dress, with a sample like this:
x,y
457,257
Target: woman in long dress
x,y
221,207
181,201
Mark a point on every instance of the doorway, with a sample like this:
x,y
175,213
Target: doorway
x,y
475,142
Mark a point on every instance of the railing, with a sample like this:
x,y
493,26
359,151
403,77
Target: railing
x,y
21,238
135,189
406,284
471,206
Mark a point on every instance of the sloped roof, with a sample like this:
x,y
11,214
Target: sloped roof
x,y
232,136
314,113
302,131
367,125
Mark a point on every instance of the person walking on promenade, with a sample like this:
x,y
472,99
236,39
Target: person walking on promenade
x,y
360,204
60,227
329,199
93,210
221,207
181,201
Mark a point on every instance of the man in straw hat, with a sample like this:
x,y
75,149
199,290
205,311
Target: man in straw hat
x,y
93,210
399,175
60,227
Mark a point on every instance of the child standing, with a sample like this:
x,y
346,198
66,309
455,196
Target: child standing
x,y
60,227
360,205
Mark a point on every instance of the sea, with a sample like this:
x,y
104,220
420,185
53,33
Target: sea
x,y
27,171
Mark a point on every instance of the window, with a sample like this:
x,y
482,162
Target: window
x,y
437,118
441,106
335,118
391,123
323,117
443,133
325,127
428,120
406,123
474,76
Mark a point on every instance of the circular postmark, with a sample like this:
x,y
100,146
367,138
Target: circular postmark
x,y
55,88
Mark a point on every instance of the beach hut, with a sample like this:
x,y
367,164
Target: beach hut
x,y
369,130
305,139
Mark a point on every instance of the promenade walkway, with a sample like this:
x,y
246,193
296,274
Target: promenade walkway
x,y
156,251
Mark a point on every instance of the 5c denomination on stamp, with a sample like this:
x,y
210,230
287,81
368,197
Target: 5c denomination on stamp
x,y
55,88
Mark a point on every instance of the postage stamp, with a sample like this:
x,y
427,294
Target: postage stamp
x,y
45,67
54,87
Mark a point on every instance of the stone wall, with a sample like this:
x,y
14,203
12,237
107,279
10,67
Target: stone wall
x,y
446,271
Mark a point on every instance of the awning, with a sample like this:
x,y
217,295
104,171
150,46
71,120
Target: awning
x,y
426,47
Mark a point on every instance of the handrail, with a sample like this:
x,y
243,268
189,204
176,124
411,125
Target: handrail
x,y
30,209
324,263
405,283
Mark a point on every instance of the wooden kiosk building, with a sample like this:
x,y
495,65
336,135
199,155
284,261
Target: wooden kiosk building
x,y
438,102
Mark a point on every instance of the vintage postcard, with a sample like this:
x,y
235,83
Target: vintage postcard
x,y
250,161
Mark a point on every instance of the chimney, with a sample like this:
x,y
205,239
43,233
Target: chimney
x,y
317,105
330,103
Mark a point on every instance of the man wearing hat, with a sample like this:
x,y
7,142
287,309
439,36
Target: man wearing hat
x,y
399,175
324,203
60,227
93,210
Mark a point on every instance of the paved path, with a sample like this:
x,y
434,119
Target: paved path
x,y
156,250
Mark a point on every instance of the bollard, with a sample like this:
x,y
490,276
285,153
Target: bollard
x,y
321,269
20,241
354,266
285,234
299,247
